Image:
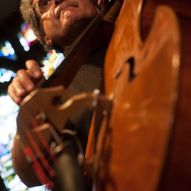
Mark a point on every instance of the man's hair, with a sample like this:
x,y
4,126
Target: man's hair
x,y
29,15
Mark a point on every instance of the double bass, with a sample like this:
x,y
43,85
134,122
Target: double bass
x,y
139,139
145,145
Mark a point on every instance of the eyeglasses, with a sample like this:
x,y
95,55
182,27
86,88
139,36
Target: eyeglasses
x,y
42,6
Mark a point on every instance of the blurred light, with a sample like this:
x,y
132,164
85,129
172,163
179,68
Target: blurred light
x,y
26,36
6,75
51,62
24,43
9,47
6,50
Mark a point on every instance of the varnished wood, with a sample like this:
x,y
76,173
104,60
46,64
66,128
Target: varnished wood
x,y
143,75
177,170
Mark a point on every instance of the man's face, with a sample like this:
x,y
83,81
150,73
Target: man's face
x,y
63,21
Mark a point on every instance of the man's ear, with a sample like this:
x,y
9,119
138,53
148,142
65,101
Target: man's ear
x,y
47,41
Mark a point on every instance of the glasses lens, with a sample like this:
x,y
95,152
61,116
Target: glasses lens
x,y
44,5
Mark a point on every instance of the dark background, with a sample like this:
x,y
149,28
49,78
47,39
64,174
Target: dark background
x,y
10,25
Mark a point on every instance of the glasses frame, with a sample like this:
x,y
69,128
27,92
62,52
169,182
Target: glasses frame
x,y
38,9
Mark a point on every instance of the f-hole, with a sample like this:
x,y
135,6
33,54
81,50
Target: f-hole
x,y
131,62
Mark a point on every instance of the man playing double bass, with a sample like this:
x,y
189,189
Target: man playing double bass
x,y
57,24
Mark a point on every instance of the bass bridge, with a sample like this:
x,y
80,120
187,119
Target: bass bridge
x,y
49,143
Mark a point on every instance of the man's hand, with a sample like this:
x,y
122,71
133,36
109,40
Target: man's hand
x,y
25,81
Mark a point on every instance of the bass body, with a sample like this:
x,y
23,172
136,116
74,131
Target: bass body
x,y
145,146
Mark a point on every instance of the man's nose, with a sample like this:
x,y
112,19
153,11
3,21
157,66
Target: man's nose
x,y
57,2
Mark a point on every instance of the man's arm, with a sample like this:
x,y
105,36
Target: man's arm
x,y
21,86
